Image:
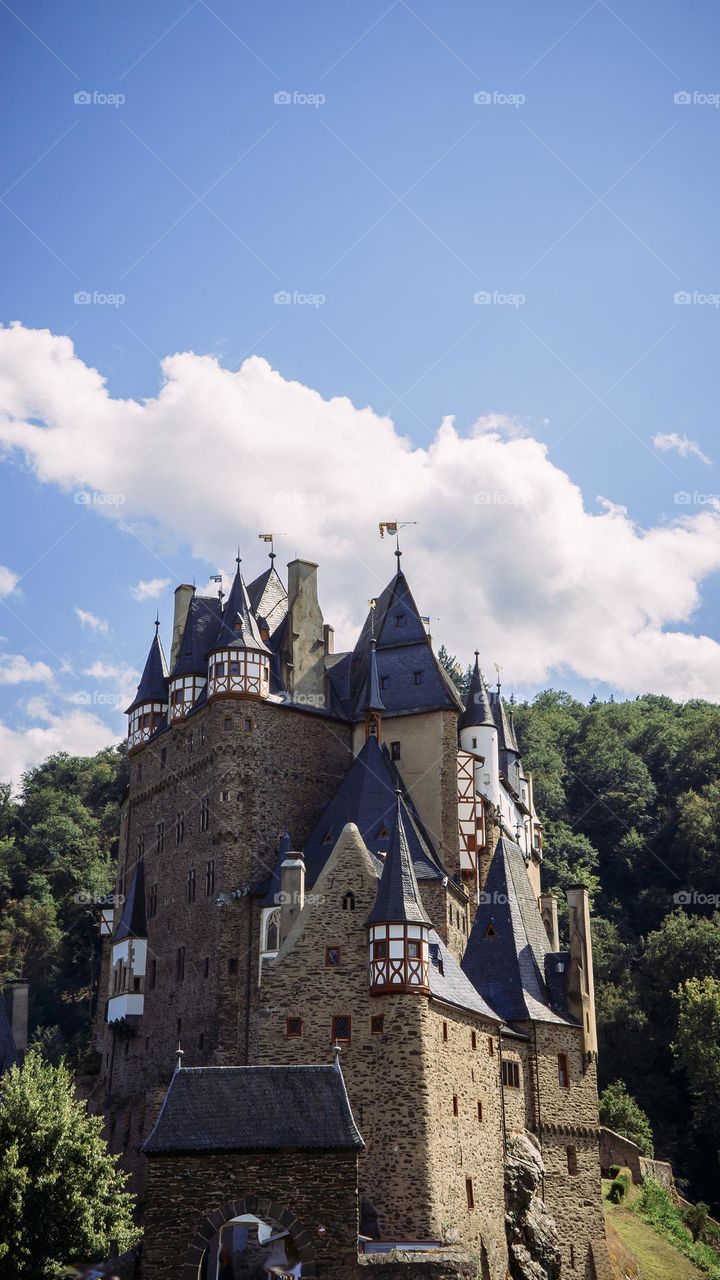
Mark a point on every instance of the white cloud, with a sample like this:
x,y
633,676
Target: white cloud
x,y
111,671
671,442
78,732
505,554
92,622
8,581
149,590
15,668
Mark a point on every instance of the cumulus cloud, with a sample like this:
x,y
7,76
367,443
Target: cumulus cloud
x,y
149,590
8,581
671,442
506,555
44,732
92,622
15,668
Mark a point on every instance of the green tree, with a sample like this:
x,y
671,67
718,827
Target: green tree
x,y
619,1111
697,1049
62,1196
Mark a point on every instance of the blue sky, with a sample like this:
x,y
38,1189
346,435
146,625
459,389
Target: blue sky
x,y
582,189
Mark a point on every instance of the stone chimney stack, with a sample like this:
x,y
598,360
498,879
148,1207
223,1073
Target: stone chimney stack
x,y
292,892
306,635
581,981
16,1002
183,596
549,913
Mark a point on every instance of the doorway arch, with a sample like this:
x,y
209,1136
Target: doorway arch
x,y
256,1207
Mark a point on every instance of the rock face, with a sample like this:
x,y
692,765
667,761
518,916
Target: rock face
x,y
531,1233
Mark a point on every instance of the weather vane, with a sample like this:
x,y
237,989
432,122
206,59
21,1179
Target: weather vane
x,y
393,527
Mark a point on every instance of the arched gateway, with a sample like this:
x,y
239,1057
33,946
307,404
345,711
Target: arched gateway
x,y
250,1232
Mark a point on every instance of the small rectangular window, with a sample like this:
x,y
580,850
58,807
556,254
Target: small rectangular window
x,y
159,837
209,877
376,1024
232,966
179,1028
572,1160
204,813
224,795
491,1046
480,1111
332,957
511,1074
141,846
190,887
417,677
180,827
342,1028
563,1071
247,724
455,1104
163,757
180,964
469,1193
294,1027
473,1039
227,724
384,682
152,902
206,967
395,750
152,975
445,1031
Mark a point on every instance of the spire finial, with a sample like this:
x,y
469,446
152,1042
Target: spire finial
x,y
336,1051
477,656
157,622
498,669
179,1055
238,559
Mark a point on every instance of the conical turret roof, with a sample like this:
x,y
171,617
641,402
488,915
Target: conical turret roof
x,y
398,897
153,682
371,700
478,707
133,921
239,628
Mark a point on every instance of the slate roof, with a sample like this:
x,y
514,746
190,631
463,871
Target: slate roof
x,y
153,686
270,1108
449,983
398,897
275,881
133,921
371,700
8,1051
367,796
199,632
238,627
268,597
478,709
506,729
411,679
506,952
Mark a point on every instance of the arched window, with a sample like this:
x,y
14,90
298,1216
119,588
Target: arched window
x,y
348,902
272,931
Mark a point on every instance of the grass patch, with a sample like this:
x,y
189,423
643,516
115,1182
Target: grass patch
x,y
656,1207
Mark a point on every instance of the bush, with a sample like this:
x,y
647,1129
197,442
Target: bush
x,y
618,1188
656,1206
695,1218
620,1112
614,1170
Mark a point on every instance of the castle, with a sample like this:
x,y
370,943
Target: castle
x,y
329,898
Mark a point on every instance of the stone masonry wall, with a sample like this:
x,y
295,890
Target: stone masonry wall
x,y
191,1194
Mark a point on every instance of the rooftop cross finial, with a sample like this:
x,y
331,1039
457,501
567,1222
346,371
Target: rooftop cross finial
x,y
179,1055
157,623
238,560
498,668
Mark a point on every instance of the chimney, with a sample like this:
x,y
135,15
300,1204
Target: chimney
x,y
183,595
16,1002
329,638
581,981
306,635
292,892
549,913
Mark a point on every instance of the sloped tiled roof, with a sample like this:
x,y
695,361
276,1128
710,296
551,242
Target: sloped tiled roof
x,y
268,598
398,897
371,700
133,921
478,709
153,686
239,628
449,983
506,952
367,796
270,1108
199,632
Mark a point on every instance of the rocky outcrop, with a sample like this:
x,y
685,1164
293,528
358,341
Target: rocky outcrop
x,y
531,1233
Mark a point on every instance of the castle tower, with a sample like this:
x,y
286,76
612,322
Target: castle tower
x,y
189,671
239,661
398,925
148,710
479,735
372,703
128,953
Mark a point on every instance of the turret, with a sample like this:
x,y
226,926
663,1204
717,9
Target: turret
x,y
129,956
479,735
148,710
239,662
372,703
398,925
581,980
189,672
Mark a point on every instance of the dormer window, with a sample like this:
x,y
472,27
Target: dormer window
x,y
384,682
489,932
418,677
400,619
328,837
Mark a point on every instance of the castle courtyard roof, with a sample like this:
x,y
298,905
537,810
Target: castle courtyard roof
x,y
271,1108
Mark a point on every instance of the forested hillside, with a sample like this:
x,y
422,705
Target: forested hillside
x,y
629,794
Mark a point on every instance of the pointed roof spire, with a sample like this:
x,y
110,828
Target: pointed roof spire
x,y
133,921
153,681
179,1055
478,707
239,626
398,897
371,699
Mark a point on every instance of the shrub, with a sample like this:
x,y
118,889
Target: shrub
x,y
614,1170
695,1218
618,1188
